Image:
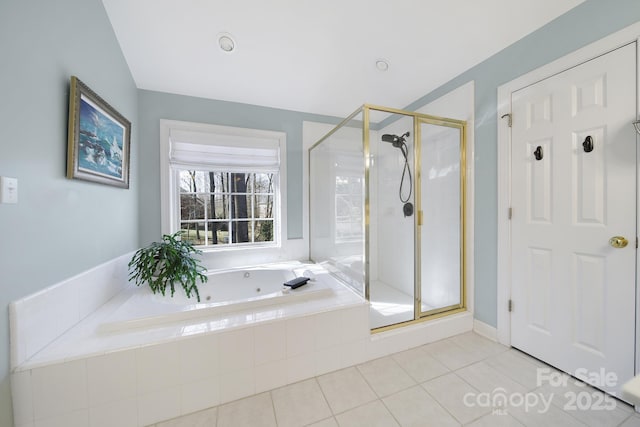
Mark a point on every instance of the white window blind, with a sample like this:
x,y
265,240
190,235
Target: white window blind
x,y
189,149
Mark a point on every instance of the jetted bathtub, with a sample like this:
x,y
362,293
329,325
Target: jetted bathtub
x,y
225,291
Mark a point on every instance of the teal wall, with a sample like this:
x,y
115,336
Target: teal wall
x,y
591,21
60,227
154,106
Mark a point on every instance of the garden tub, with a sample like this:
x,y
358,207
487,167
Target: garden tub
x,y
225,292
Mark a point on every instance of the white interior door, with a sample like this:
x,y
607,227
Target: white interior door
x,y
573,293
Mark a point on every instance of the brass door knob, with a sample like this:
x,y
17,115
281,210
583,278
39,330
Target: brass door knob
x,y
618,242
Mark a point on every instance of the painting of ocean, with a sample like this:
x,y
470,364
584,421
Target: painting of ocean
x,y
101,141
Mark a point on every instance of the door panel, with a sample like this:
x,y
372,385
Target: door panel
x,y
538,301
574,294
539,179
589,186
590,294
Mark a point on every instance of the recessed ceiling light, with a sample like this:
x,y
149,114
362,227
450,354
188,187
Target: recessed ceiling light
x,y
382,64
226,42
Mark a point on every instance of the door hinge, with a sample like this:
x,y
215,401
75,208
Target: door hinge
x,y
636,243
510,213
509,117
510,306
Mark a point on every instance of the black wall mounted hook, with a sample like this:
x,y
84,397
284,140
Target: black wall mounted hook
x,y
538,153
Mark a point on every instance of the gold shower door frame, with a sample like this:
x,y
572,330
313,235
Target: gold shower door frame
x,y
461,125
418,120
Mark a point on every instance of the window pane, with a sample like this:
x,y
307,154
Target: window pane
x,y
222,231
239,182
218,182
217,233
263,207
193,181
203,182
263,231
217,206
240,233
193,232
185,180
251,181
240,206
228,203
264,183
191,207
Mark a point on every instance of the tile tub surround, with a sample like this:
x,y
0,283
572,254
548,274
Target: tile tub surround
x,y
140,377
40,318
148,384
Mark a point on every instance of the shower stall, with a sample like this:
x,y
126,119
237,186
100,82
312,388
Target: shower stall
x,y
386,204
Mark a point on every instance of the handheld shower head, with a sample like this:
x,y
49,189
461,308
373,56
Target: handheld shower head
x,y
396,140
387,137
400,142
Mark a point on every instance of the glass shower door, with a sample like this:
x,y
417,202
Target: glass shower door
x,y
441,226
391,224
386,212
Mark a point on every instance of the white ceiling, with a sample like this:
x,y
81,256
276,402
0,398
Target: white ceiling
x,y
317,56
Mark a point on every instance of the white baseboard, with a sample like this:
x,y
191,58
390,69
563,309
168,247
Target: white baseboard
x,y
485,330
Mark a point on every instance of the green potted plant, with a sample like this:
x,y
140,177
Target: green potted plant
x,y
168,263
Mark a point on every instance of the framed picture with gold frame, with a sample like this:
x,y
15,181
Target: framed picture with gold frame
x,y
99,139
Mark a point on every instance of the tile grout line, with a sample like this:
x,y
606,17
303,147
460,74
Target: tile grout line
x,y
416,384
218,409
625,420
441,405
390,412
377,395
273,407
455,372
324,397
346,410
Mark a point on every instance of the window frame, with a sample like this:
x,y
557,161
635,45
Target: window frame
x,y
170,188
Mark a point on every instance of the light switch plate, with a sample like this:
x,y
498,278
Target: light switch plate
x,y
8,190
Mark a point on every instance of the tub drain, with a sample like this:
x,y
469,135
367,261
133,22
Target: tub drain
x,y
258,289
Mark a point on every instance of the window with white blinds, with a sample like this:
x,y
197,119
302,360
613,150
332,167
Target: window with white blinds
x,y
225,184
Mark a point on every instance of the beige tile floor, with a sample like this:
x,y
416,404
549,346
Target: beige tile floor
x,y
446,383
